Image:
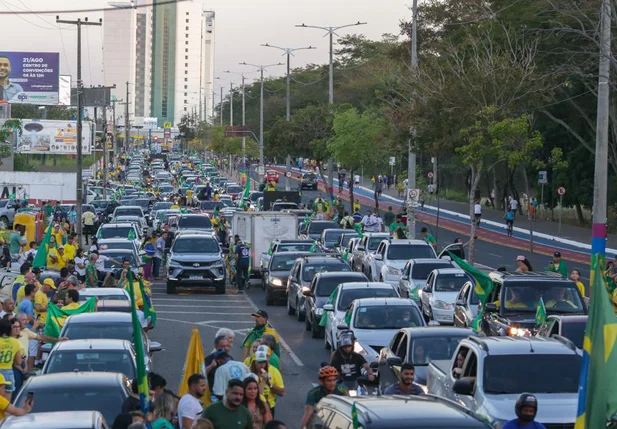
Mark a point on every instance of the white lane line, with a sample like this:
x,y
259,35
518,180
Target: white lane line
x,y
203,306
198,312
285,346
175,320
235,301
495,255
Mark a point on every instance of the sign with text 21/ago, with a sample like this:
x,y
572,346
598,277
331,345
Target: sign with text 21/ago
x,y
30,77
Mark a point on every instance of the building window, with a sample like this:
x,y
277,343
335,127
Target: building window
x,y
186,64
185,102
186,79
187,21
187,28
186,87
185,109
186,72
187,14
187,42
187,36
186,57
186,50
186,93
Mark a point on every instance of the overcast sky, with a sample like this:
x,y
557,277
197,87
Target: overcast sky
x,y
241,26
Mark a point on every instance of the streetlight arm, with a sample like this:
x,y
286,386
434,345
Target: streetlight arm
x,y
349,25
315,26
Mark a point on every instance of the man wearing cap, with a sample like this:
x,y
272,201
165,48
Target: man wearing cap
x,y
243,262
56,259
41,299
261,327
557,265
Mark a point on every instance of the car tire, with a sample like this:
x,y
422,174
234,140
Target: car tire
x,y
299,313
269,298
171,289
307,324
290,310
220,288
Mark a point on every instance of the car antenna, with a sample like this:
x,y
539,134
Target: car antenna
x,y
530,345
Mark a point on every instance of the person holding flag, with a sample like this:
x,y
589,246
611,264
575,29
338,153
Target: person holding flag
x,y
142,375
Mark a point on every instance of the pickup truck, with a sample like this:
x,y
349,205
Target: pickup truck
x,y
487,374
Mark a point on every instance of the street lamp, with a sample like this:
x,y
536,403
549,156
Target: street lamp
x,y
331,31
261,68
289,53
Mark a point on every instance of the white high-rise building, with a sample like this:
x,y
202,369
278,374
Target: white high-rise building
x,y
208,63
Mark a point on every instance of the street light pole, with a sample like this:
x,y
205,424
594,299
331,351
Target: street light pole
x,y
243,164
80,190
261,111
289,52
411,160
231,104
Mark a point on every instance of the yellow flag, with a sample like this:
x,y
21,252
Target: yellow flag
x,y
194,364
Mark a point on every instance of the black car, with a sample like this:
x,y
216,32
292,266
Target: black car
x,y
321,288
394,412
275,275
309,181
512,305
570,327
316,227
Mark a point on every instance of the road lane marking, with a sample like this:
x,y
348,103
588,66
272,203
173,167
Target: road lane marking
x,y
284,344
175,320
198,312
204,306
495,255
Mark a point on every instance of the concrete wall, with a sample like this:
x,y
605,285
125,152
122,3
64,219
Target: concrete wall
x,y
39,186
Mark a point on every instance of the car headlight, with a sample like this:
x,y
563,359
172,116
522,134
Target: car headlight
x,y
319,312
173,262
276,281
393,271
441,305
514,331
357,347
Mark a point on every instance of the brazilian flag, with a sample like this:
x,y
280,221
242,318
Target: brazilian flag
x,y
540,312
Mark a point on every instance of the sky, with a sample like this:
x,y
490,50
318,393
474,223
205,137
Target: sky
x,y
241,26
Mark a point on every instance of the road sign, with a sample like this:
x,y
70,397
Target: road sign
x,y
413,194
288,174
167,133
561,191
542,177
167,124
260,170
430,174
392,160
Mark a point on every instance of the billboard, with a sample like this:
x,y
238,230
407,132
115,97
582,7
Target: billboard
x,y
92,97
53,137
29,77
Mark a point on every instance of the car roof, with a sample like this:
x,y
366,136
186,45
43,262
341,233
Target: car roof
x,y
437,331
337,274
75,379
363,285
113,240
106,317
396,411
53,420
448,270
195,234
404,241
299,241
92,344
381,302
102,291
376,234
337,230
116,225
431,261
527,276
524,345
121,251
129,207
321,258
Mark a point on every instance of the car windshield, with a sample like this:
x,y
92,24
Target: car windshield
x,y
105,399
426,349
143,203
84,331
100,204
450,282
403,252
210,205
575,332
373,243
162,205
313,268
234,189
91,361
326,285
559,298
283,261
119,257
194,222
387,317
348,296
195,245
316,228
420,271
117,232
295,247
166,189
123,211
309,176
332,237
543,373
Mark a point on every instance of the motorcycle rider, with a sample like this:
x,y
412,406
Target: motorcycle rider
x,y
347,362
327,386
526,408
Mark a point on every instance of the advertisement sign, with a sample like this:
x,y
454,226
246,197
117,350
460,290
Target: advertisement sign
x,y
53,137
29,77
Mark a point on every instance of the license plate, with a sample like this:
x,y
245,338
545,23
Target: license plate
x,y
195,277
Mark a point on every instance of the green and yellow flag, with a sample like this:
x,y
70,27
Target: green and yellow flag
x,y
194,363
40,259
354,417
56,316
140,353
331,300
540,312
597,390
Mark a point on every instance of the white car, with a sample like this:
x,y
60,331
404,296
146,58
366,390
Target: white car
x,y
386,264
367,245
108,293
346,293
438,297
415,274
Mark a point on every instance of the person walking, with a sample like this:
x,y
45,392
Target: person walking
x,y
158,256
147,258
189,407
243,263
260,329
270,379
88,219
163,410
477,212
260,411
230,413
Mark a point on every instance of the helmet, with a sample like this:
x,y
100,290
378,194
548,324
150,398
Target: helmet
x,y
327,371
345,338
526,400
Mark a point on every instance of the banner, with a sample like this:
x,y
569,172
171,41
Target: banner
x,y
29,77
53,137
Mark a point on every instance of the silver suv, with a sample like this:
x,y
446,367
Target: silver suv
x,y
195,260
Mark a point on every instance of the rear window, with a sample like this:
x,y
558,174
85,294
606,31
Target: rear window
x,y
318,227
450,282
311,269
92,361
332,238
234,189
421,271
298,247
348,296
373,243
120,211
283,261
198,222
404,252
114,331
120,232
326,285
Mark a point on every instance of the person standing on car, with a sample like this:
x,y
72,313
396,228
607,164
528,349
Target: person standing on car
x,y
526,408
405,386
243,262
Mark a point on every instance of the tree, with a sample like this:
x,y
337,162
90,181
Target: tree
x,y
8,128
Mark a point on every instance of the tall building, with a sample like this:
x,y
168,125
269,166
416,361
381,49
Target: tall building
x,y
127,43
182,61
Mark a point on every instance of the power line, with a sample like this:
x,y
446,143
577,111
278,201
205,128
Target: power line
x,y
7,5
66,57
88,49
100,9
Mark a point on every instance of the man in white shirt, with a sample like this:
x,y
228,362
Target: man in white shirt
x,y
513,205
477,211
227,369
373,224
190,407
356,179
366,221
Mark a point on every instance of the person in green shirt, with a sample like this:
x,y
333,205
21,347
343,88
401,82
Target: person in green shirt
x,y
428,237
340,207
398,223
558,266
388,217
230,413
48,209
91,274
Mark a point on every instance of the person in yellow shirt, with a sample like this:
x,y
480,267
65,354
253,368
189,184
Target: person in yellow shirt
x,y
58,234
72,302
21,292
575,276
189,197
270,379
56,259
251,355
6,408
10,354
70,248
515,300
41,300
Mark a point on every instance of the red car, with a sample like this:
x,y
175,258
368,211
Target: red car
x,y
272,175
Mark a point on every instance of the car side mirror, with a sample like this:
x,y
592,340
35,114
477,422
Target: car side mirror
x,y
328,307
361,248
394,361
426,289
155,347
460,303
342,327
378,257
491,307
374,365
307,293
463,387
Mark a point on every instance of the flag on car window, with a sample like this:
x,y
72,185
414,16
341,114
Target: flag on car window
x,y
56,316
597,389
131,235
140,355
354,417
147,300
540,312
331,300
313,248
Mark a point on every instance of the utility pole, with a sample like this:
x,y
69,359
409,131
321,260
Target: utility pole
x,y
93,137
115,127
243,164
231,104
221,107
600,187
127,123
105,141
411,160
261,112
289,52
80,191
213,106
